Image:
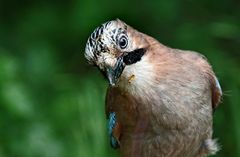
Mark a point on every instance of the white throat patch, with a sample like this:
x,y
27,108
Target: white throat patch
x,y
138,78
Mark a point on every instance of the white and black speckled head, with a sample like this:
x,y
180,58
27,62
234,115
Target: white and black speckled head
x,y
110,47
109,38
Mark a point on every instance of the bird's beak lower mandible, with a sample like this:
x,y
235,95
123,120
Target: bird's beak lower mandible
x,y
113,73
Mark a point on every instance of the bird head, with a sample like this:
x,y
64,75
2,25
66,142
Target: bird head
x,y
113,46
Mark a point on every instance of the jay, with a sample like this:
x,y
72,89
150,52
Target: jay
x,y
160,100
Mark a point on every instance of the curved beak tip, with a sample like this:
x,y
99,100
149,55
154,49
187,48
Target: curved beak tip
x,y
112,81
112,84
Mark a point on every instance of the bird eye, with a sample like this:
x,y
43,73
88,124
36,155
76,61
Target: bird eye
x,y
123,42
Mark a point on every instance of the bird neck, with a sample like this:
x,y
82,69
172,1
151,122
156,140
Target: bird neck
x,y
138,77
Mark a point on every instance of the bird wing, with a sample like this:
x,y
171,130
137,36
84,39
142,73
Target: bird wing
x,y
202,63
216,92
114,127
214,83
113,130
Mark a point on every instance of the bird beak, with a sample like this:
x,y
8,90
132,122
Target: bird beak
x,y
113,73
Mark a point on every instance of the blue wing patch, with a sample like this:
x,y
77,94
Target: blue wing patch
x,y
111,124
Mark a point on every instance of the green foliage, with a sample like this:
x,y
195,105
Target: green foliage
x,y
52,102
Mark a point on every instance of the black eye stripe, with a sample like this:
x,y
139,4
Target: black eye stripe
x,y
134,56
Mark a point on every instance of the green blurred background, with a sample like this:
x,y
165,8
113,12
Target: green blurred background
x,y
52,102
